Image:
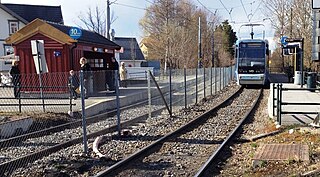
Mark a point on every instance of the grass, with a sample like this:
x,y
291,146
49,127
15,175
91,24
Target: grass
x,y
254,145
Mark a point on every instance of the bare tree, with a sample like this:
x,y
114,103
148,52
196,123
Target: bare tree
x,y
171,32
95,20
292,18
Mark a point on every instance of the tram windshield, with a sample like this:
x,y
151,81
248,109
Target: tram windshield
x,y
251,58
252,54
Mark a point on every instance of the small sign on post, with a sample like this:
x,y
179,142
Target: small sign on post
x,y
283,40
37,49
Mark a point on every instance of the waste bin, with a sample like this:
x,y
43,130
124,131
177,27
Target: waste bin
x,y
297,78
311,80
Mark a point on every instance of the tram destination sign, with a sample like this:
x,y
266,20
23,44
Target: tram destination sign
x,y
251,45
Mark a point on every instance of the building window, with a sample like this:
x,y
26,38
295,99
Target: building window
x,y
8,49
96,63
319,24
13,27
318,39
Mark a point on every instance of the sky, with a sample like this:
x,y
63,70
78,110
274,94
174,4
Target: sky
x,y
127,14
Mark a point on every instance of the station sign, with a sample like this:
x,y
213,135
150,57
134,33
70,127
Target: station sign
x,y
75,33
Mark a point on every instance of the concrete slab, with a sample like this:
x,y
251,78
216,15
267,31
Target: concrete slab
x,y
295,96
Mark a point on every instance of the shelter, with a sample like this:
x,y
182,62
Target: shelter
x,y
15,17
62,53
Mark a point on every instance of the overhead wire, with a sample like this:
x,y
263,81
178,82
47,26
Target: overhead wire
x,y
130,6
149,2
229,12
206,7
256,10
244,10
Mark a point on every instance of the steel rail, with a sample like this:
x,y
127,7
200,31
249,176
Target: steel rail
x,y
10,166
213,157
146,150
90,120
74,124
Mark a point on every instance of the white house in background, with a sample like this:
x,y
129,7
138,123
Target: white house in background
x,y
132,56
130,53
14,17
10,23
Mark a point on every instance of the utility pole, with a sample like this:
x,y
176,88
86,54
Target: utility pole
x,y
199,47
166,60
108,19
212,43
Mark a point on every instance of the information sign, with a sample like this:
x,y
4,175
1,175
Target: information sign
x,y
75,33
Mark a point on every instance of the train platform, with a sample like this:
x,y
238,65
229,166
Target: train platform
x,y
307,113
106,100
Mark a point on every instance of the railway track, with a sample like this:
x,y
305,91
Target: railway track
x,y
185,151
35,146
15,140
53,157
32,146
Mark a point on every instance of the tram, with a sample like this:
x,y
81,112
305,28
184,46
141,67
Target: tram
x,y
252,62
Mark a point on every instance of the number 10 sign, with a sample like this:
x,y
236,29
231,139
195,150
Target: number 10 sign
x,y
75,32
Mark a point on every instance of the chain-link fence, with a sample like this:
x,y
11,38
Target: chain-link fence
x,y
57,110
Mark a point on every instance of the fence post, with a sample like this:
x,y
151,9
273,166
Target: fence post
x,y
280,102
220,78
116,74
211,81
278,88
185,87
230,74
84,122
19,95
224,77
196,85
70,96
273,98
41,92
215,80
204,82
149,92
161,94
170,89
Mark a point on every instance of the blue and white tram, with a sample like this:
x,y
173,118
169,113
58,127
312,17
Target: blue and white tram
x,y
252,64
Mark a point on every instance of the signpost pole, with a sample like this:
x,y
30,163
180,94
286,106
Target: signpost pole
x,y
40,71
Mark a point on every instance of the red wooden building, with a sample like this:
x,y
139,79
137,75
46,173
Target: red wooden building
x,y
62,53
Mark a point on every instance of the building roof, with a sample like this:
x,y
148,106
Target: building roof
x,y
42,27
13,13
59,33
129,44
87,36
31,12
